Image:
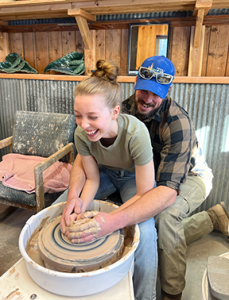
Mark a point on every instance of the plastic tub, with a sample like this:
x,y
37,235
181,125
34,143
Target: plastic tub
x,y
74,284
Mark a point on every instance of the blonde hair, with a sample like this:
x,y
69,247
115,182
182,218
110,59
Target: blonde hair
x,y
103,81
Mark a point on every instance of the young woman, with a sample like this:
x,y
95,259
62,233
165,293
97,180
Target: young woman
x,y
117,148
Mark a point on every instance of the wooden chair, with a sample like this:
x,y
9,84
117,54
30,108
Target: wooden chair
x,y
42,134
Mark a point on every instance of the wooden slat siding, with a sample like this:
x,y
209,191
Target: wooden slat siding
x,y
55,49
218,51
6,47
180,50
1,41
29,48
16,44
227,66
68,43
113,45
90,55
100,44
79,42
124,52
42,57
196,54
205,52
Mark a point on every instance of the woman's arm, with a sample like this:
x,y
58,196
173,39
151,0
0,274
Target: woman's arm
x,y
76,184
92,180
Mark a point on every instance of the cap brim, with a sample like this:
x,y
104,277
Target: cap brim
x,y
151,85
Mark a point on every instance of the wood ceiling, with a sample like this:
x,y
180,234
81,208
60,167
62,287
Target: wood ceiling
x,y
36,9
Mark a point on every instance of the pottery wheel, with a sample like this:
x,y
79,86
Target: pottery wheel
x,y
60,254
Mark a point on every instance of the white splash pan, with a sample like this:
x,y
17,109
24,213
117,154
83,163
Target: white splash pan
x,y
74,284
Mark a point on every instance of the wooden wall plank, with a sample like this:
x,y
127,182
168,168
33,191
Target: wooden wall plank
x,y
124,52
196,54
218,51
79,42
29,48
205,50
227,66
89,54
6,47
16,43
113,45
1,41
42,50
100,44
55,51
68,42
180,50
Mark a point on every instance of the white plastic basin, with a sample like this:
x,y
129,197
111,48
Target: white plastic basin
x,y
74,284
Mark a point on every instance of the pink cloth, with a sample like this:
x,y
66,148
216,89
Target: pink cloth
x,y
17,172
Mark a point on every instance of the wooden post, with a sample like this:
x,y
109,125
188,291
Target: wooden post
x,y
201,9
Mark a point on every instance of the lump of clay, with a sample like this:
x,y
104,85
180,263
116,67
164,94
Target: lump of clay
x,y
71,64
14,63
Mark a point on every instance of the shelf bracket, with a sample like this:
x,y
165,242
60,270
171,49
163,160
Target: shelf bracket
x,y
202,7
82,17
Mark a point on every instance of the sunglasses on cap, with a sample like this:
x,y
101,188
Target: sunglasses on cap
x,y
161,78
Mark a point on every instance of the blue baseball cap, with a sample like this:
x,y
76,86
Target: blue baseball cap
x,y
162,64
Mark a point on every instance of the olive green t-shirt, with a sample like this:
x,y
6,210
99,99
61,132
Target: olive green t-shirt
x,y
132,145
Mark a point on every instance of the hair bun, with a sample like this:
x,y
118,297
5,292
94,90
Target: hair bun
x,y
106,70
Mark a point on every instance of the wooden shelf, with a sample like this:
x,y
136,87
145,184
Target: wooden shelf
x,y
124,79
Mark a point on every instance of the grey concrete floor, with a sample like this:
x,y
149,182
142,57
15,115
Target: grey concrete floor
x,y
198,252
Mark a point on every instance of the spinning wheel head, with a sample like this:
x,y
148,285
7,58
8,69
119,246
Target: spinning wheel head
x,y
60,254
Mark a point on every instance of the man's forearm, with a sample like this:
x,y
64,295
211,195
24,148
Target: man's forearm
x,y
146,207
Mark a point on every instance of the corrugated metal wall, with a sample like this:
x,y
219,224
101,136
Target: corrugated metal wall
x,y
207,104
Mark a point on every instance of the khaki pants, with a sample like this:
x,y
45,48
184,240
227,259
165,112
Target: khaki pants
x,y
173,230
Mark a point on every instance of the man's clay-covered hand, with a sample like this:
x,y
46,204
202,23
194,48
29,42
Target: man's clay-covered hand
x,y
92,226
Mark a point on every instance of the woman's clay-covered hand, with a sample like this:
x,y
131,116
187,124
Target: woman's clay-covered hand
x,y
93,226
74,204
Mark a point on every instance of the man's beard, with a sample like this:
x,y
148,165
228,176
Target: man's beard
x,y
140,115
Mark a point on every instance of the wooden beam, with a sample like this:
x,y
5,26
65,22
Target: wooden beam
x,y
202,4
3,23
196,54
84,30
82,13
81,19
201,9
199,23
113,24
130,79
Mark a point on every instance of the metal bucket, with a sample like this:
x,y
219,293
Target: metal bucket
x,y
74,284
